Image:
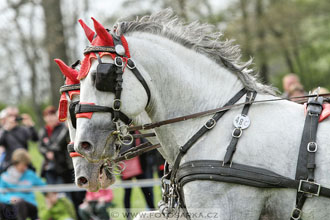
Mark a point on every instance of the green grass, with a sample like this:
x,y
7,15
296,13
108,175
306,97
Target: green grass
x,y
117,209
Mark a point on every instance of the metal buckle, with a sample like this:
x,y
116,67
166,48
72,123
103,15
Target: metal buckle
x,y
213,123
239,135
313,114
308,147
230,165
308,182
131,67
113,104
116,62
299,214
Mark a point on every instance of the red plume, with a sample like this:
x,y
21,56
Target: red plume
x,y
89,32
67,71
103,34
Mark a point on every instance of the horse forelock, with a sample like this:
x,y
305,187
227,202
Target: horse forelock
x,y
199,37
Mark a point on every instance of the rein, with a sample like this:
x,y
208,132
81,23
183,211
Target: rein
x,y
127,155
216,110
148,126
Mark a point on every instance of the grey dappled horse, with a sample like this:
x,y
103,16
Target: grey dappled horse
x,y
188,70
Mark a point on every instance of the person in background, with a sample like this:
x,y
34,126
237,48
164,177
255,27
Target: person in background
x,y
15,133
57,208
57,167
96,204
19,205
287,82
321,90
296,90
54,137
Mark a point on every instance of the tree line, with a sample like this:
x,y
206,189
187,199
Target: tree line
x,y
282,36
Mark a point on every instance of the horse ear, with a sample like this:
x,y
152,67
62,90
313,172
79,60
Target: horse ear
x,y
67,71
102,33
89,32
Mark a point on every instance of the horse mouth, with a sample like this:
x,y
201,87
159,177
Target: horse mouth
x,y
106,178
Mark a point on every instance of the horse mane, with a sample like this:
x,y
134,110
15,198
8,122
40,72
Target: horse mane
x,y
199,37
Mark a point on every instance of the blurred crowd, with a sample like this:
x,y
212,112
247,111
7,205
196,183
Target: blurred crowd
x,y
17,131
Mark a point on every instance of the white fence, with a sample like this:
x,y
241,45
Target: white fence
x,y
72,187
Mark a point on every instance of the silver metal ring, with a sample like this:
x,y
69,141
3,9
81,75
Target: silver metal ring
x,y
239,135
123,129
117,169
309,145
122,138
116,62
113,104
213,123
299,215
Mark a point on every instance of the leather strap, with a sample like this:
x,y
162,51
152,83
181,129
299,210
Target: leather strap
x,y
138,75
214,170
94,49
250,96
68,88
136,151
72,109
84,108
208,126
212,111
306,159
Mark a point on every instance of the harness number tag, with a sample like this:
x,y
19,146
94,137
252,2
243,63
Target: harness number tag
x,y
242,121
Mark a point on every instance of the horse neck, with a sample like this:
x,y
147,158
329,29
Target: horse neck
x,y
182,82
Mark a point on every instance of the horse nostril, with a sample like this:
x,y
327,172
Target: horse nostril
x,y
82,181
86,146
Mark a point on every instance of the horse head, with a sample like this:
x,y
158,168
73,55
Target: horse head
x,y
87,175
109,94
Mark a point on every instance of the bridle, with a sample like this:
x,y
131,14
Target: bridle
x,y
109,78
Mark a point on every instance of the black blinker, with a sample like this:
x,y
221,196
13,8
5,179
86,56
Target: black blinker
x,y
105,79
72,107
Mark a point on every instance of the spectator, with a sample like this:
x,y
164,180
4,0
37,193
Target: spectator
x,y
96,204
320,90
140,169
288,81
57,166
57,208
13,135
54,137
22,204
296,90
